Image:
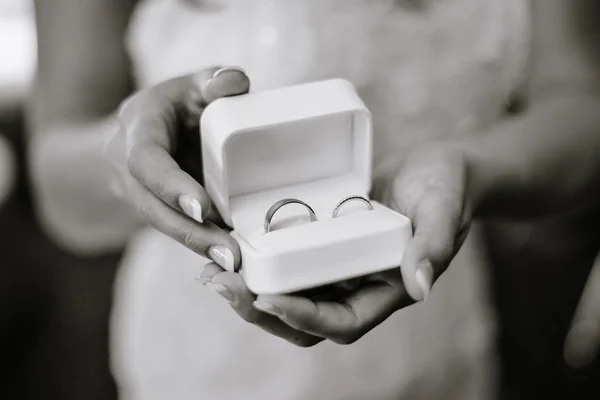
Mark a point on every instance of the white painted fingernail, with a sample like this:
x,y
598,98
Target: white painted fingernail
x,y
222,256
191,207
424,278
228,69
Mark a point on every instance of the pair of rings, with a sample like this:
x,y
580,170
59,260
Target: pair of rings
x,y
313,216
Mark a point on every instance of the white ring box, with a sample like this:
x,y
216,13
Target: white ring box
x,y
310,142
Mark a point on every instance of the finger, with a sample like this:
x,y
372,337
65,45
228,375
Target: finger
x,y
189,94
188,153
437,222
213,84
232,287
150,122
227,81
209,272
348,285
583,341
330,292
205,239
154,167
343,321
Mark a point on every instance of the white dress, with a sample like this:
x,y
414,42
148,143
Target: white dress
x,y
426,69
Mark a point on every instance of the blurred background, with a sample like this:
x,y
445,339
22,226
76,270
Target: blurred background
x,y
53,307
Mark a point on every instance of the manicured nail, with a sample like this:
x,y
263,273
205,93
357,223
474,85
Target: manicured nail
x,y
424,278
581,344
268,308
222,256
203,281
222,290
228,69
191,207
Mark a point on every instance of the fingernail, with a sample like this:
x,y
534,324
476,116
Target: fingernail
x,y
203,281
191,207
222,290
228,69
268,308
222,256
424,278
581,344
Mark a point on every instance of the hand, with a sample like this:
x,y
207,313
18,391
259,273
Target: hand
x,y
583,341
430,187
156,153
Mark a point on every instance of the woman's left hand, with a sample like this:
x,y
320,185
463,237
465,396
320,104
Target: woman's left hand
x,y
430,188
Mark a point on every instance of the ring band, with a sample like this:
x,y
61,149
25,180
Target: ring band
x,y
275,207
337,208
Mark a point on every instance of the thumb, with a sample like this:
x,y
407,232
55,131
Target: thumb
x,y
224,82
437,227
196,91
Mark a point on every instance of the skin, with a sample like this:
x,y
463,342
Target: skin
x,y
541,162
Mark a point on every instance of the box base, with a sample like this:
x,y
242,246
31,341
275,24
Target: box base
x,y
324,252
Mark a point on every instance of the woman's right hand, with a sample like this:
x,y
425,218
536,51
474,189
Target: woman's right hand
x,y
156,152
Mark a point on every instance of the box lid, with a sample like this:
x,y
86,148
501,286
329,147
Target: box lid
x,y
311,142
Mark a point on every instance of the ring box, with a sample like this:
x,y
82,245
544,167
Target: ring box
x,y
311,142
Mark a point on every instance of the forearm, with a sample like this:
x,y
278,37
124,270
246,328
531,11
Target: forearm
x,y
72,192
546,160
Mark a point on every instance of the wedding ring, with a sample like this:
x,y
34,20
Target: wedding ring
x,y
337,208
275,207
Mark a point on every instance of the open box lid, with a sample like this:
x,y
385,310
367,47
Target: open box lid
x,y
311,142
